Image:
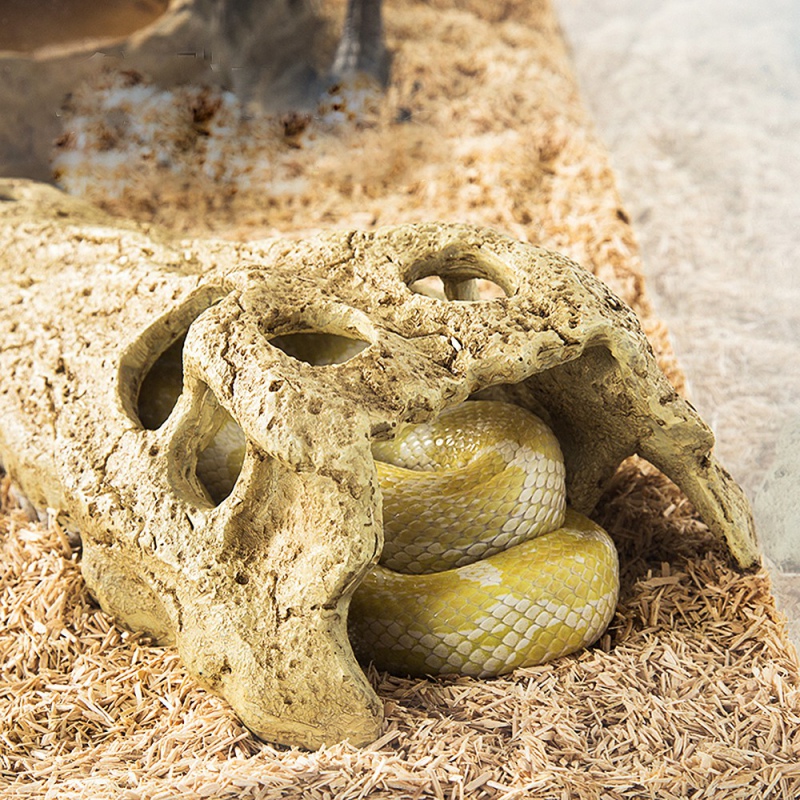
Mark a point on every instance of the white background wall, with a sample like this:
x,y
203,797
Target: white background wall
x,y
699,103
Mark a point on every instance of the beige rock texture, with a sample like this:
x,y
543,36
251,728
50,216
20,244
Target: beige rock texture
x,y
254,590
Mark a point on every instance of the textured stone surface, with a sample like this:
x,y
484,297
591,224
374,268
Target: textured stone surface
x,y
254,590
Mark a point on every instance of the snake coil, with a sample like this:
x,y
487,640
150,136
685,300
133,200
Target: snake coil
x,y
484,569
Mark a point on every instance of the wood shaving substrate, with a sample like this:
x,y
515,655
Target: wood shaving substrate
x,y
692,693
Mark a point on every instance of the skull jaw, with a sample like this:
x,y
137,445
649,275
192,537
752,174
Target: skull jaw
x,y
276,691
254,593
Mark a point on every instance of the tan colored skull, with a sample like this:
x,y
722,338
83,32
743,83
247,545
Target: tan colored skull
x,y
253,588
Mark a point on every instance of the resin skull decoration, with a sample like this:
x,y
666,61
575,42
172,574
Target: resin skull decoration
x,y
253,587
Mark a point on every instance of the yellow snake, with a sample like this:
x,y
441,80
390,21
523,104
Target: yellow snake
x,y
475,500
483,569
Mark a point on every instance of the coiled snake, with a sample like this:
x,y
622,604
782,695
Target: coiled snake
x,y
483,569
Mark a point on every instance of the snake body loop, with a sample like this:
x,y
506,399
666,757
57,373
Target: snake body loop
x,y
478,479
475,500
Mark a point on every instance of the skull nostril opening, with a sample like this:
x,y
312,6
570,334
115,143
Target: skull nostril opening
x,y
206,447
461,275
461,291
319,349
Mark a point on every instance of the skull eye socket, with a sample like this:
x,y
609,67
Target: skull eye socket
x,y
461,275
150,378
319,349
161,387
220,452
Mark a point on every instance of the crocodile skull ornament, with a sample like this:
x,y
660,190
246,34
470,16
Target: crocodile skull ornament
x,y
253,588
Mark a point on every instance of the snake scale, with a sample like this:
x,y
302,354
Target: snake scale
x,y
483,569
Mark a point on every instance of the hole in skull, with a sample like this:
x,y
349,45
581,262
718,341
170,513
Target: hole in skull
x,y
462,276
220,456
461,291
150,378
161,387
319,349
220,461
